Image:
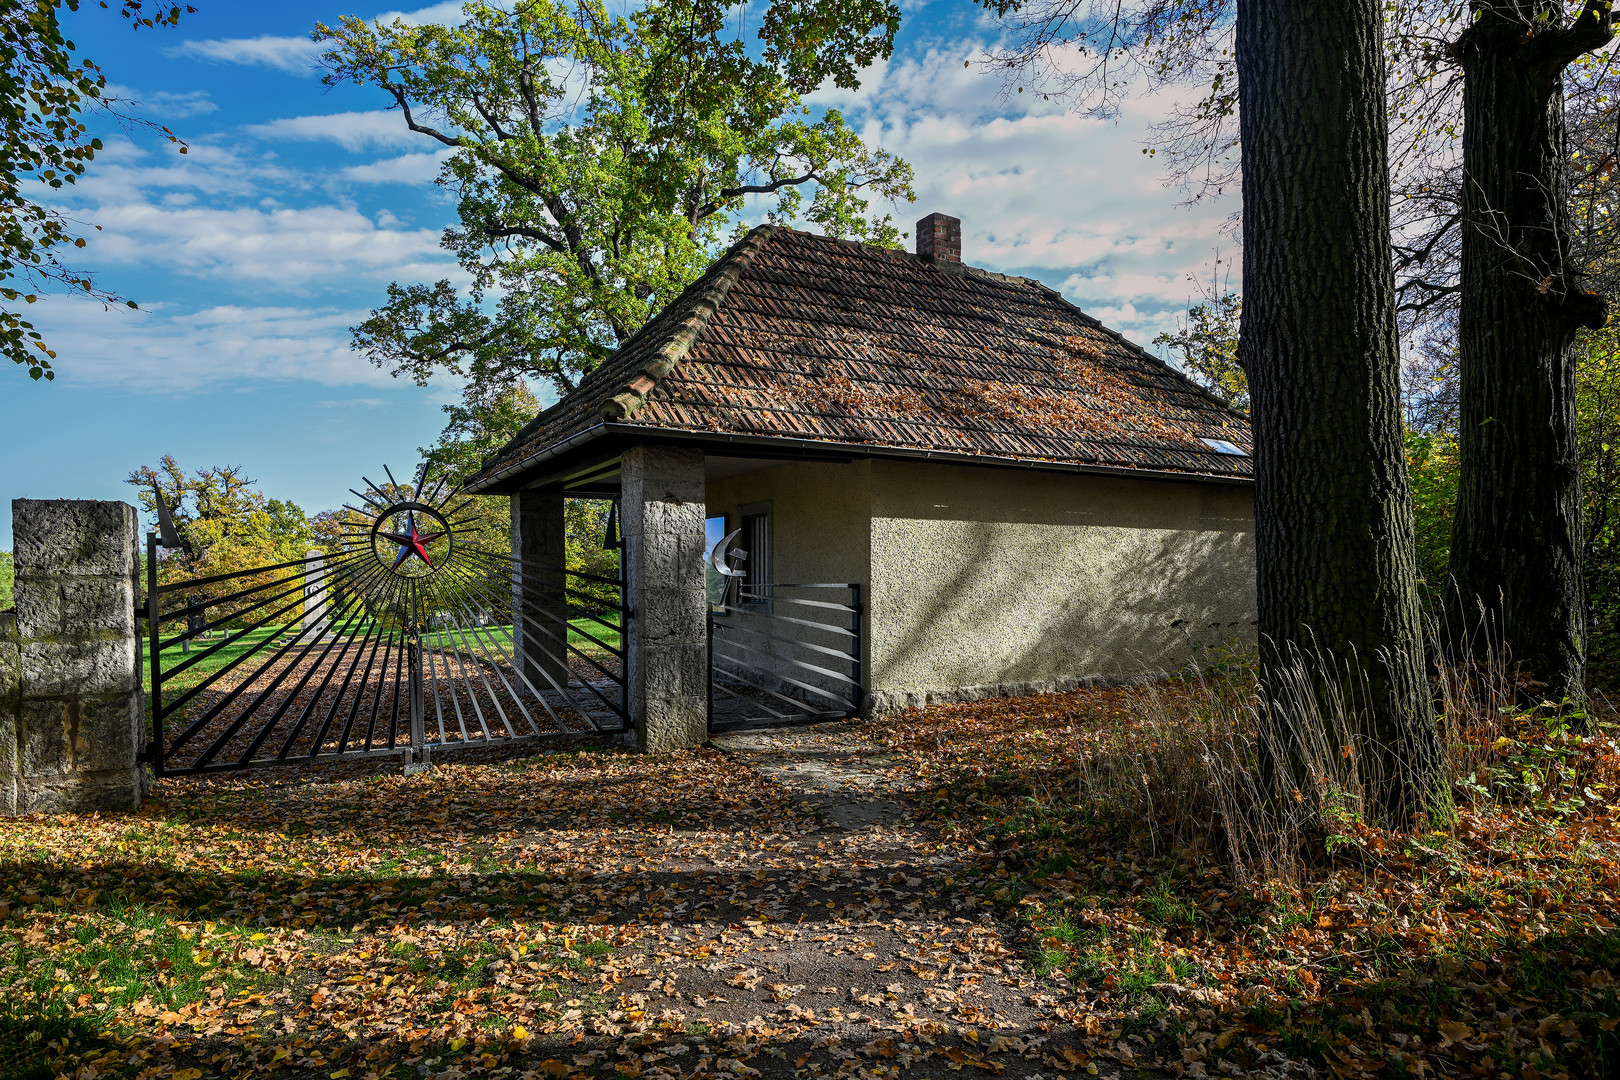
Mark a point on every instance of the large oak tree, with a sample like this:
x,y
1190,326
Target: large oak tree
x,y
599,160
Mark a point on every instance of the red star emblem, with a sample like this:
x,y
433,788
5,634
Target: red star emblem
x,y
411,543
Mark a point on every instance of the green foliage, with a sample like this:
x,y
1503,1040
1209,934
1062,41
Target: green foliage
x,y
1431,461
599,161
8,580
1597,433
228,522
1207,341
45,93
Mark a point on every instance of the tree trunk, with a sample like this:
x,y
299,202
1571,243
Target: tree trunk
x,y
1337,570
1517,538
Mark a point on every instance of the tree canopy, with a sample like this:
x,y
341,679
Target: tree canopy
x,y
598,161
46,91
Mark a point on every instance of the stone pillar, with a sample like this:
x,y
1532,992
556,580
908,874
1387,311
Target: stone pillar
x,y
540,544
10,703
314,596
661,514
79,720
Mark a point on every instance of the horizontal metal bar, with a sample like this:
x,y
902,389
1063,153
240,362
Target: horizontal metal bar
x,y
771,674
829,627
831,674
823,649
802,603
810,687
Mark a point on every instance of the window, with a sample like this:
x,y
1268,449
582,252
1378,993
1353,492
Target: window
x,y
1221,446
756,540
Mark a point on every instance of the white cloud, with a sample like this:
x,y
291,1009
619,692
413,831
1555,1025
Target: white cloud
x,y
296,55
163,352
163,102
1042,191
350,130
302,250
405,169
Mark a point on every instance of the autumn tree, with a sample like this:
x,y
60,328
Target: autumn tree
x,y
1517,541
598,161
1206,344
47,94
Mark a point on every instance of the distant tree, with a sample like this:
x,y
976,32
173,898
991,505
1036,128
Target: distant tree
x,y
598,160
45,94
8,580
1206,343
220,512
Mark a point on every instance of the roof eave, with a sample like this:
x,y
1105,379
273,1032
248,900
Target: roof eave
x,y
646,432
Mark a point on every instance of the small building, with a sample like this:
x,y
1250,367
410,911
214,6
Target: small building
x,y
1014,497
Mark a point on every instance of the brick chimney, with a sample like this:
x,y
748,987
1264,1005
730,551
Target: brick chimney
x,y
939,236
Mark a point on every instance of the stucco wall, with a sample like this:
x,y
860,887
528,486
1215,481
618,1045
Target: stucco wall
x,y
995,581
819,515
985,581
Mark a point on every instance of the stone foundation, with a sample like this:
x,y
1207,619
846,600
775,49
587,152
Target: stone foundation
x,y
885,702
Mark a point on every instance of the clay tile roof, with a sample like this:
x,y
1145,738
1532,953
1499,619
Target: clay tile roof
x,y
805,337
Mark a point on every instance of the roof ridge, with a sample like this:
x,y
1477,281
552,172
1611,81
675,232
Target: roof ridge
x,y
639,387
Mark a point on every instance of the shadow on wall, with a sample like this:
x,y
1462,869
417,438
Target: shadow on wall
x,y
1018,607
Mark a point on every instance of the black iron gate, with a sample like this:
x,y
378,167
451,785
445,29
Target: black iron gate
x,y
781,654
407,639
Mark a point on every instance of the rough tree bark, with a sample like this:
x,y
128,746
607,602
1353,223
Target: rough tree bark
x,y
1517,537
1337,570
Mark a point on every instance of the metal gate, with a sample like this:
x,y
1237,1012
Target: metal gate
x,y
781,654
408,639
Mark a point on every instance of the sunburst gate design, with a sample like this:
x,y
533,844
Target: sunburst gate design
x,y
413,534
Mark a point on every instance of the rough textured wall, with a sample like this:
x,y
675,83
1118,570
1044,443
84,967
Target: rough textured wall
x,y
661,513
996,581
79,720
10,702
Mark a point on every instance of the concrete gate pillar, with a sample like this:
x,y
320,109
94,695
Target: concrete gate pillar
x,y
661,514
540,543
72,716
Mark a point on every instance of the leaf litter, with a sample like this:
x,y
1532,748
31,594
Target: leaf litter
x,y
594,913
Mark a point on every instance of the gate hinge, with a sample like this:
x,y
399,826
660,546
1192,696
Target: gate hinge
x,y
148,753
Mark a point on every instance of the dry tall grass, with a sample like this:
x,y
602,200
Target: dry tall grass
x,y
1198,757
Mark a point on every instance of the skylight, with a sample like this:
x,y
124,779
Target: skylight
x,y
1221,446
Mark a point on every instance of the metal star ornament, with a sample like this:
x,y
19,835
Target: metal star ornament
x,y
411,542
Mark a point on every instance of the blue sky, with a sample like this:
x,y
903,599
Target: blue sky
x,y
297,205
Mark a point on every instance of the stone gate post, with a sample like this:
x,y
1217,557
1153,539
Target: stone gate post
x,y
661,512
74,719
539,602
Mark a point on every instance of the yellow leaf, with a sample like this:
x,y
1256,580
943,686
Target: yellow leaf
x,y
339,1075
553,1067
520,1032
1453,1031
457,1044
188,1074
